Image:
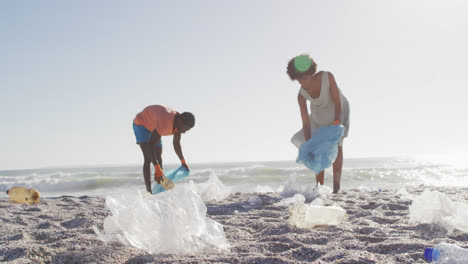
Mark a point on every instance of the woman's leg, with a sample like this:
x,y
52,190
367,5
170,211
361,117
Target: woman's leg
x,y
319,177
337,167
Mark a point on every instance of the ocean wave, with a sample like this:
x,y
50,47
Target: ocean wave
x,y
245,177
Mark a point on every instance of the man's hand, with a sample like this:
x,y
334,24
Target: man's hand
x,y
184,164
158,173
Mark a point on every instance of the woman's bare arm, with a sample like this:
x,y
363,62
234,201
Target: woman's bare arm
x,y
304,116
335,94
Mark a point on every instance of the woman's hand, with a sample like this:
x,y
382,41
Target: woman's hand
x,y
184,164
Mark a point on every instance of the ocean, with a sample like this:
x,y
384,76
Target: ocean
x,y
362,173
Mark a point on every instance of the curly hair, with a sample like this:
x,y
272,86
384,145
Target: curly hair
x,y
294,74
188,119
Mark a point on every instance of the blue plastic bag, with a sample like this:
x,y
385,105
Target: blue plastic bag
x,y
175,175
320,151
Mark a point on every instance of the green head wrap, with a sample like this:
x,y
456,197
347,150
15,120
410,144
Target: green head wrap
x,y
302,63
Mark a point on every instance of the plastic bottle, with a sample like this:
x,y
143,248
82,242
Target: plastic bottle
x,y
23,195
308,216
446,253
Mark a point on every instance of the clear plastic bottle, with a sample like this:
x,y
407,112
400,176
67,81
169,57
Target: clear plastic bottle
x,y
446,253
309,216
23,195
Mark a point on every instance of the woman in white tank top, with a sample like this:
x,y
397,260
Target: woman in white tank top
x,y
328,106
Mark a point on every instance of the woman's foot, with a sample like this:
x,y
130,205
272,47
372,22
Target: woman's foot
x,y
336,188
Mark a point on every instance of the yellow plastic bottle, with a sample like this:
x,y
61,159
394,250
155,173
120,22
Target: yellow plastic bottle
x,y
24,195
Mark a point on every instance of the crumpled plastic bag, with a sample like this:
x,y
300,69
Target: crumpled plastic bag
x,y
320,151
435,207
172,222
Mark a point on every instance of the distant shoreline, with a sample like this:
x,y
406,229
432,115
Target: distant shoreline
x,y
175,164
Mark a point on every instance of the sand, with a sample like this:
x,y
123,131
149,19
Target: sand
x,y
378,230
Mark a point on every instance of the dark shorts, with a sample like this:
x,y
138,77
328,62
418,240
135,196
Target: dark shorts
x,y
143,135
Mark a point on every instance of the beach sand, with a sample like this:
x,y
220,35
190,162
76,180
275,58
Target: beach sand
x,y
378,230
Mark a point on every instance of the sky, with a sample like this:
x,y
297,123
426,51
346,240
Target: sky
x,y
73,75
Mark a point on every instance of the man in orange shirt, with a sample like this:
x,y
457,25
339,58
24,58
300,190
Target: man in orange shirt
x,y
152,123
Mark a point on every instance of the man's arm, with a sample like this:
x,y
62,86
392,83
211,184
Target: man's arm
x,y
177,147
304,116
335,94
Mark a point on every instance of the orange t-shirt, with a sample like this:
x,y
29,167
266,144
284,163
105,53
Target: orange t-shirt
x,y
157,117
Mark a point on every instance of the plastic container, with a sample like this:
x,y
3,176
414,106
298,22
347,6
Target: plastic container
x,y
309,216
23,195
446,253
166,183
175,175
